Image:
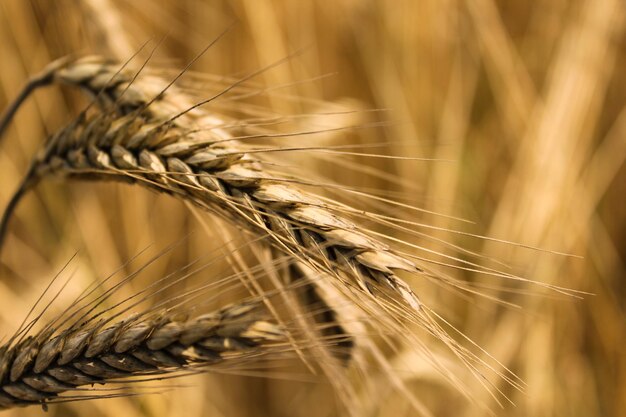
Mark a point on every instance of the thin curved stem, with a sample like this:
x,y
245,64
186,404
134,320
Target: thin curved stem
x,y
42,79
25,185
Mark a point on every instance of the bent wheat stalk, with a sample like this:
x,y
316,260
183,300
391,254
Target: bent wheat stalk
x,y
146,131
151,133
40,368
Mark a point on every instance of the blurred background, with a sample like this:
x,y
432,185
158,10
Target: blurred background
x,y
524,101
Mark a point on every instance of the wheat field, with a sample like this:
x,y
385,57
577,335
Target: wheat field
x,y
425,198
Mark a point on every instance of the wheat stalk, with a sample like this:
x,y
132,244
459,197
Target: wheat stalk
x,y
330,322
147,131
151,133
41,367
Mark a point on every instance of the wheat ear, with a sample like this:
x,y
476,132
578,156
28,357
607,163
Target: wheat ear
x,y
151,133
148,132
41,367
311,296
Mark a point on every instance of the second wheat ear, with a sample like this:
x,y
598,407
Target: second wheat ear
x,y
42,367
151,133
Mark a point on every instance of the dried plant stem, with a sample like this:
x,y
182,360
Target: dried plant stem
x,y
44,78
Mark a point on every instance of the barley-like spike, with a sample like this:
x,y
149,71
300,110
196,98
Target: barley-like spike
x,y
157,137
43,366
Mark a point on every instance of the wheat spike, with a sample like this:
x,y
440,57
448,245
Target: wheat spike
x,y
151,133
146,131
41,367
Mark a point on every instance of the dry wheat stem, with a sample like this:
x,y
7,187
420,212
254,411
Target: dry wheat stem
x,y
41,367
